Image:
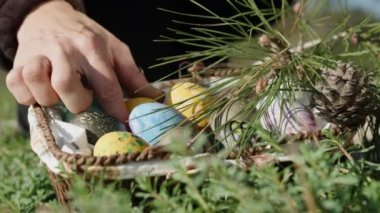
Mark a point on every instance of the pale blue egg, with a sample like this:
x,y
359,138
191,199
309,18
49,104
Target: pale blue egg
x,y
150,121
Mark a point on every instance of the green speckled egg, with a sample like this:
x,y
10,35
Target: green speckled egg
x,y
114,143
96,124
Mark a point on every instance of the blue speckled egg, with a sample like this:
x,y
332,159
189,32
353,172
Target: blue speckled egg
x,y
150,121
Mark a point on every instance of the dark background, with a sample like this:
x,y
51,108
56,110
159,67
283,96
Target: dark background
x,y
138,23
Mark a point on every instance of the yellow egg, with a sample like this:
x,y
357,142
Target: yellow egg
x,y
118,143
133,102
191,100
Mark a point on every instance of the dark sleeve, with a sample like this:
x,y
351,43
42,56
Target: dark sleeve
x,y
12,14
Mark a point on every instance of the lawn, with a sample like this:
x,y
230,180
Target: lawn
x,y
7,105
24,183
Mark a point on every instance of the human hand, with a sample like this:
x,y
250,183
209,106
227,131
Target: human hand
x,y
60,48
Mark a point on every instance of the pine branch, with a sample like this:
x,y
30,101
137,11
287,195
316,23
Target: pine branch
x,y
274,67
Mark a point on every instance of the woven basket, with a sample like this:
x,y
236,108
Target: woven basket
x,y
153,161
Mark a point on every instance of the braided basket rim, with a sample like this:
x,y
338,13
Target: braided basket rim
x,y
150,153
81,160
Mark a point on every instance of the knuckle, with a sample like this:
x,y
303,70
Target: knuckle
x,y
89,41
33,72
13,79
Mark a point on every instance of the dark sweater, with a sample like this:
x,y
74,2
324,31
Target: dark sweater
x,y
12,14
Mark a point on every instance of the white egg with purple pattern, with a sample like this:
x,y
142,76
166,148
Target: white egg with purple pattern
x,y
150,121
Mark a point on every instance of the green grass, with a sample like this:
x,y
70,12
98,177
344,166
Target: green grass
x,y
24,183
7,105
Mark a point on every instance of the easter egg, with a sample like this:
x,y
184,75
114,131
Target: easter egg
x,y
133,102
284,116
191,100
151,120
230,123
96,124
120,142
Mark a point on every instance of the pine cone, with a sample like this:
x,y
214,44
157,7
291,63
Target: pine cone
x,y
346,97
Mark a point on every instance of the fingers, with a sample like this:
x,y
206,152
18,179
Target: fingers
x,y
47,81
36,75
66,81
130,75
18,88
75,46
107,88
106,63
